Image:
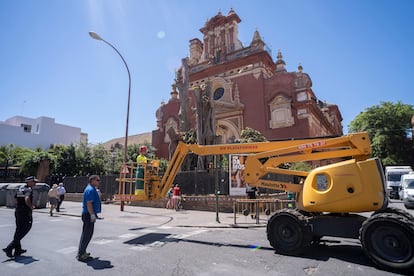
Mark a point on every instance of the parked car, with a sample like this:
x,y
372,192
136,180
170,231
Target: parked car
x,y
407,190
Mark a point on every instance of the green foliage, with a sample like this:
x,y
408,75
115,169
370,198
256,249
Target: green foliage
x,y
388,126
163,164
67,163
133,151
81,159
301,166
225,161
31,161
7,156
249,135
13,156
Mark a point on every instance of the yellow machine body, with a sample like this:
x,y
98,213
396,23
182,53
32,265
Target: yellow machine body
x,y
343,187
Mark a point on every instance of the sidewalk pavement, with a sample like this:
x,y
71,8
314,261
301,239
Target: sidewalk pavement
x,y
182,218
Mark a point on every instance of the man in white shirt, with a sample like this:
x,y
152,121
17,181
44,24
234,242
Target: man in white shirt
x,y
61,193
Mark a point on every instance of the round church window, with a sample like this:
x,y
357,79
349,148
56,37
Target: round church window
x,y
218,93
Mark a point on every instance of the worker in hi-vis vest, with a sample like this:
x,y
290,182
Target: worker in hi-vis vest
x,y
142,162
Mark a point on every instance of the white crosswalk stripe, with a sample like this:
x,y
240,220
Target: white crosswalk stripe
x,y
165,227
157,244
162,242
186,235
67,250
139,247
128,235
102,241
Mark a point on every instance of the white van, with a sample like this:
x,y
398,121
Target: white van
x,y
407,190
393,177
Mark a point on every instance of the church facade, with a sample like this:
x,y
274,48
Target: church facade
x,y
224,87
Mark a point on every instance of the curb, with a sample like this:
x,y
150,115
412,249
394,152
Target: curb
x,y
70,212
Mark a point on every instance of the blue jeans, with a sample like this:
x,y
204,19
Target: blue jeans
x,y
87,233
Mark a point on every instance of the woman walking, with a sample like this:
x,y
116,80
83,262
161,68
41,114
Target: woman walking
x,y
53,198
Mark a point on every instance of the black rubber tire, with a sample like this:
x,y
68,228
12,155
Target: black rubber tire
x,y
387,239
397,211
288,232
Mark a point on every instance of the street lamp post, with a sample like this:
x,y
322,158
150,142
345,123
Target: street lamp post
x,y
97,37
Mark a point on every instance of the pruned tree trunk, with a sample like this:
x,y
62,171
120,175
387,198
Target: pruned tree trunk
x,y
43,169
182,86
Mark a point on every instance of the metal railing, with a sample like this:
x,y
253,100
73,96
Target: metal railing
x,y
259,209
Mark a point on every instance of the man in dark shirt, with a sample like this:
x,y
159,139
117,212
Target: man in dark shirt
x,y
24,219
91,207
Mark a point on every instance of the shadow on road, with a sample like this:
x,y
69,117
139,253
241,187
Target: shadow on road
x,y
22,260
98,264
158,239
351,253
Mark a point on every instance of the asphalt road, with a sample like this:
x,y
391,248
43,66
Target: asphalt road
x,y
150,241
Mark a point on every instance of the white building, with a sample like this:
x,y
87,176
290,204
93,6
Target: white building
x,y
40,132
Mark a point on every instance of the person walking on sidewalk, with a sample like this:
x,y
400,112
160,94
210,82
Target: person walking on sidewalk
x,y
24,218
61,193
91,206
170,202
53,198
176,196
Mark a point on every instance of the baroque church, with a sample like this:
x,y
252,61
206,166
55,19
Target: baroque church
x,y
224,87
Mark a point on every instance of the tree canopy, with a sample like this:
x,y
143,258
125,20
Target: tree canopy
x,y
389,128
72,160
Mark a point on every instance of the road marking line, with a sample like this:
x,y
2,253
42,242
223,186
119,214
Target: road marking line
x,y
126,236
67,250
103,241
139,247
165,227
156,244
183,236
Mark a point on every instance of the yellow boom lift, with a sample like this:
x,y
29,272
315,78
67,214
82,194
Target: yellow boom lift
x,y
329,200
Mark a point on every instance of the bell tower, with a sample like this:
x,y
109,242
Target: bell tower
x,y
220,35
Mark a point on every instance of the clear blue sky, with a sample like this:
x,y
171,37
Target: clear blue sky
x,y
357,52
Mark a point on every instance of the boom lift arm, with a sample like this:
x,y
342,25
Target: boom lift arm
x,y
266,157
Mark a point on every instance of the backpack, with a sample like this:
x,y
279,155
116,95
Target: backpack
x,y
169,193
